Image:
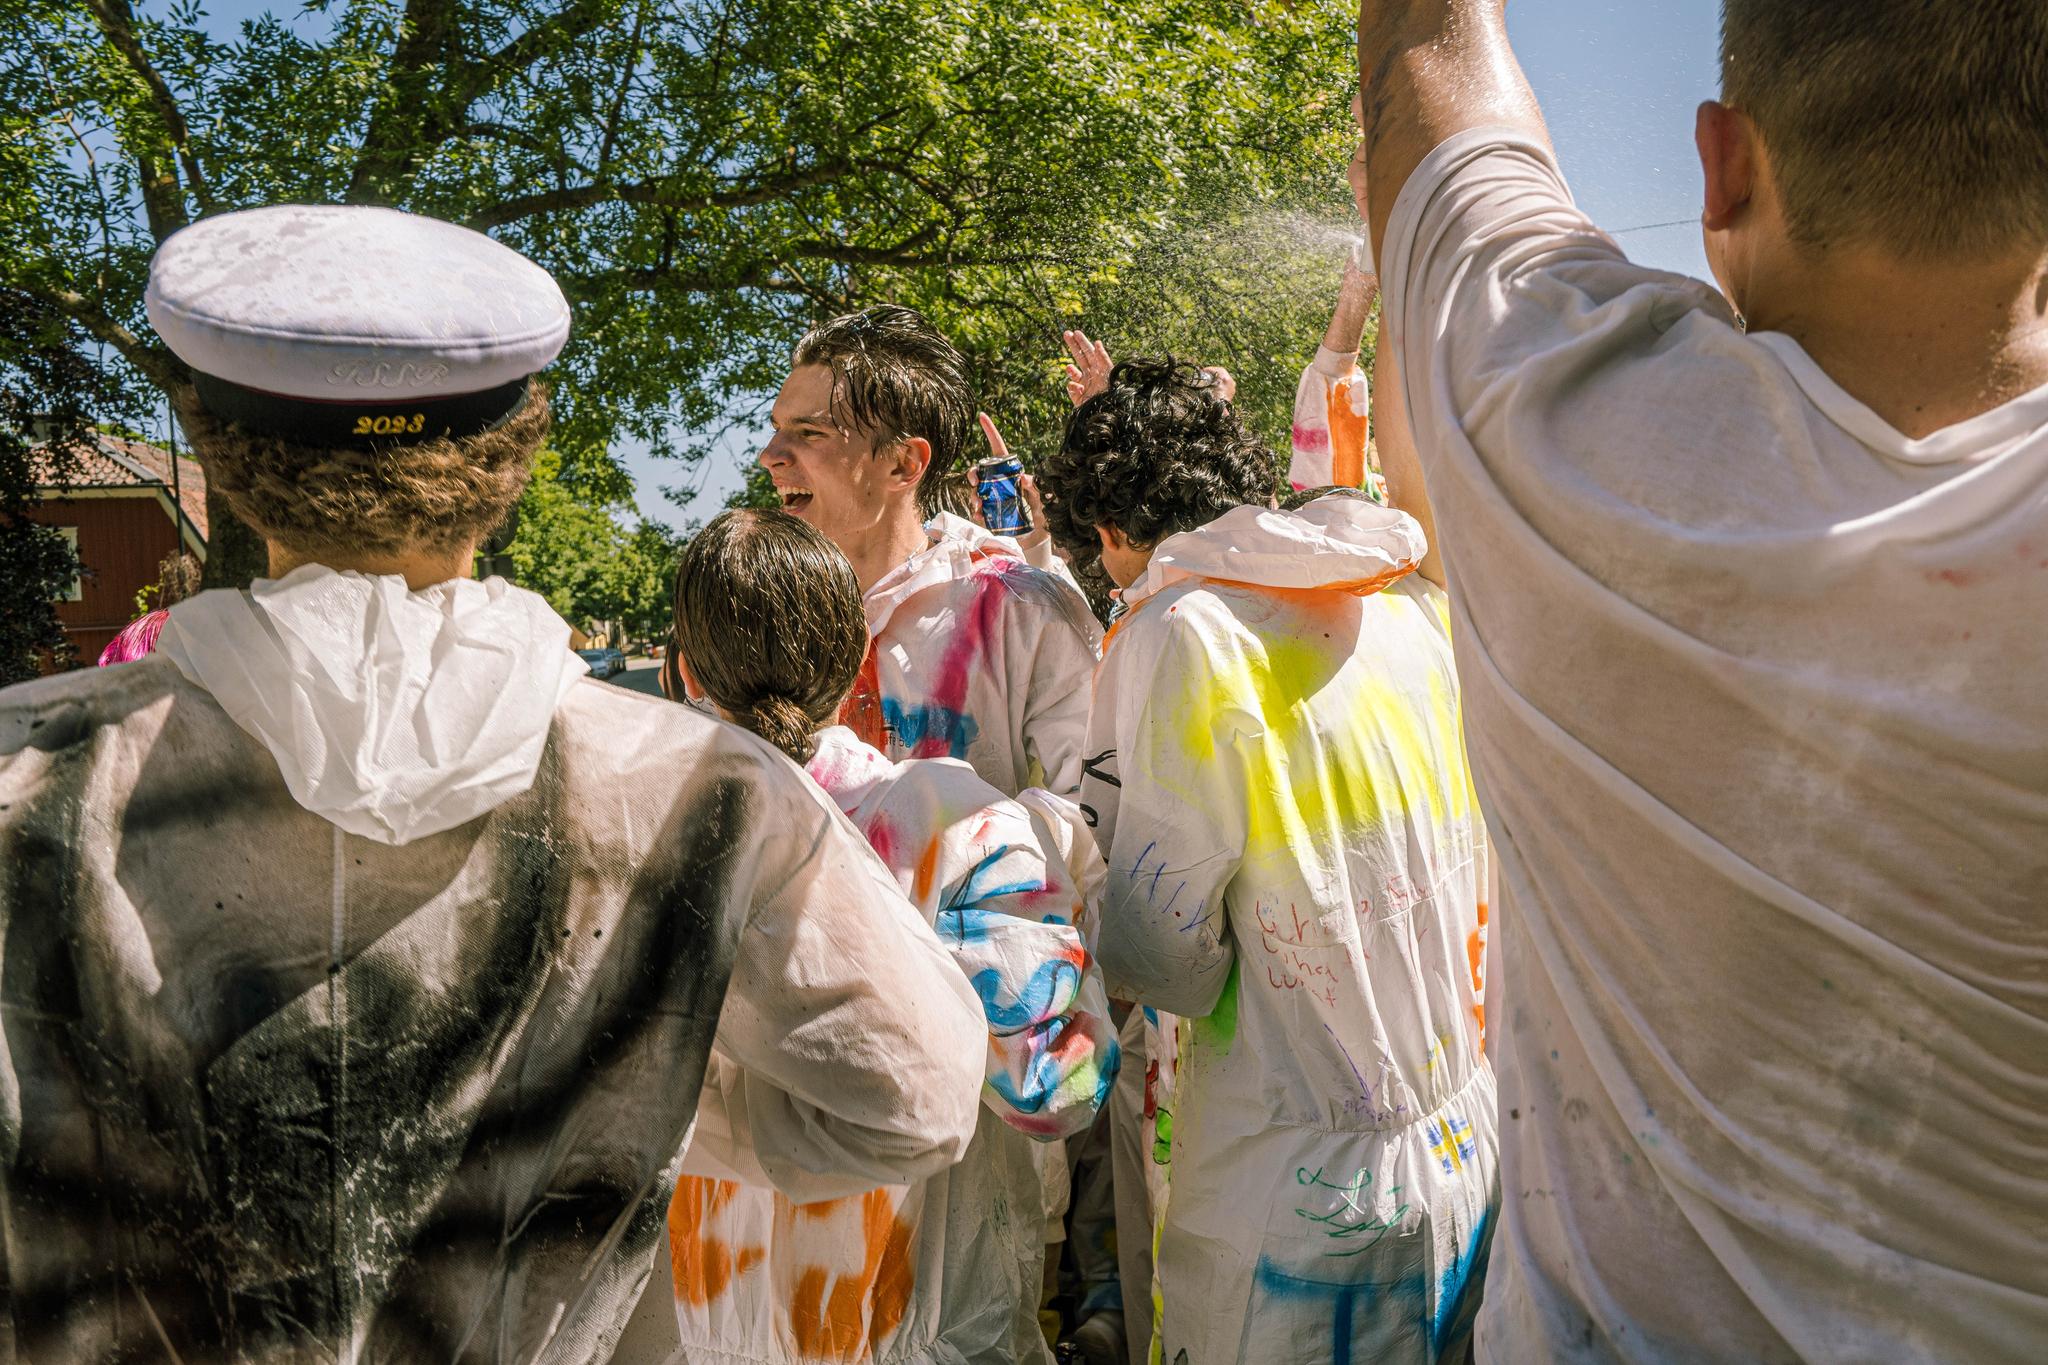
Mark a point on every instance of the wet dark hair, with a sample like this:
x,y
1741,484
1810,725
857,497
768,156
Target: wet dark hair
x,y
898,376
1921,127
768,618
1156,453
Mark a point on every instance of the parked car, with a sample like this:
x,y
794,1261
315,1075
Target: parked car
x,y
604,663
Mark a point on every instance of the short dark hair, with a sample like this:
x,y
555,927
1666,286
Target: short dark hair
x,y
768,618
900,377
335,501
1154,454
1921,127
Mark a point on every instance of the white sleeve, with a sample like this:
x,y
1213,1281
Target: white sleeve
x,y
850,1052
1006,911
1179,828
1313,459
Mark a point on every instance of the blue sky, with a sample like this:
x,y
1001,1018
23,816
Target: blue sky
x,y
1618,80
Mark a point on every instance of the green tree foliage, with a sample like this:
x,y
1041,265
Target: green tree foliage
x,y
49,395
580,554
707,177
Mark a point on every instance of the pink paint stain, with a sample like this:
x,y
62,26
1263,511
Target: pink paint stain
x,y
970,638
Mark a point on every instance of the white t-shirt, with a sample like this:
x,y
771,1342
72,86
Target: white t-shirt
x,y
1757,699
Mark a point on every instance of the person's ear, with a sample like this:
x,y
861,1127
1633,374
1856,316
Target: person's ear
x,y
690,688
1112,539
906,459
1727,143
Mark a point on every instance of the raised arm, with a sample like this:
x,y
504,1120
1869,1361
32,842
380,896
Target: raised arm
x,y
1428,69
1354,306
1399,463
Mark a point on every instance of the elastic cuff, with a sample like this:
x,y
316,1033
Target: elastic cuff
x,y
1335,364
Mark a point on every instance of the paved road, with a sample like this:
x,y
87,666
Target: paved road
x,y
641,675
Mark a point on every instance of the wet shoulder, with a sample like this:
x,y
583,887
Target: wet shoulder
x,y
999,587
612,742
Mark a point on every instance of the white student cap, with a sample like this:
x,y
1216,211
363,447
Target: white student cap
x,y
350,325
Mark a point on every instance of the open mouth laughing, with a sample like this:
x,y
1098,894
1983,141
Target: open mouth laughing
x,y
793,499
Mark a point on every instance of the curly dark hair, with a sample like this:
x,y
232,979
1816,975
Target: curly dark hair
x,y
768,617
1156,453
902,378
332,501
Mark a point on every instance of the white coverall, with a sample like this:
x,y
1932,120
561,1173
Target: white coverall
x,y
945,1270
1296,863
363,960
975,654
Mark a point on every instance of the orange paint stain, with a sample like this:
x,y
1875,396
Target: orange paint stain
x,y
703,1265
927,869
1347,433
1475,951
846,1317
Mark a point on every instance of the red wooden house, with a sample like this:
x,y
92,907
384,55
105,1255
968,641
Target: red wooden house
x,y
118,510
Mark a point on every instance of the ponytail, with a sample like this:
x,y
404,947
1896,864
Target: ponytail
x,y
783,723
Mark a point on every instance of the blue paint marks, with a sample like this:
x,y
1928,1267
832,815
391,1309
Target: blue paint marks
x,y
928,729
973,891
1051,987
1043,1076
1458,1277
1345,1301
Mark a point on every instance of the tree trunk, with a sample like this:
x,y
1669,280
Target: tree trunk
x,y
235,555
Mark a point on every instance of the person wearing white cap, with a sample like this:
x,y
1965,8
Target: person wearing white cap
x,y
362,957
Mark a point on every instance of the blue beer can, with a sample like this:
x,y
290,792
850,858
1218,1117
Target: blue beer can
x,y
1002,496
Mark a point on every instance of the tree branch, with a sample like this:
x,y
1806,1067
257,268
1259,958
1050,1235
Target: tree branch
x,y
162,368
399,123
645,278
658,193
117,21
534,43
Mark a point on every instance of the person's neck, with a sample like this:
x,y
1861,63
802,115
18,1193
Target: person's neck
x,y
419,568
878,549
1925,345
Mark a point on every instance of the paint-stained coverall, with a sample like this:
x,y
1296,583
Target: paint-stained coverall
x,y
406,1079
974,654
945,1270
1296,863
1332,424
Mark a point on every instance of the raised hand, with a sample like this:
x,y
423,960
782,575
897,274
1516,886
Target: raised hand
x,y
1088,374
999,449
1223,380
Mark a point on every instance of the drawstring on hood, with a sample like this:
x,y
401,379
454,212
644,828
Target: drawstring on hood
x,y
391,713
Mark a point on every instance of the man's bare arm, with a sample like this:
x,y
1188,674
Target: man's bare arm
x,y
1428,69
1398,461
1354,309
